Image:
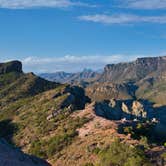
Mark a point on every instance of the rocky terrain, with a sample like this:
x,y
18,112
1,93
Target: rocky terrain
x,y
122,110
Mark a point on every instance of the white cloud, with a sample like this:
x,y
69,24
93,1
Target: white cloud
x,y
144,4
21,4
70,63
123,19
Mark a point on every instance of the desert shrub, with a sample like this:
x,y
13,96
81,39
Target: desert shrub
x,y
144,142
66,132
89,164
57,143
140,130
37,149
163,156
121,154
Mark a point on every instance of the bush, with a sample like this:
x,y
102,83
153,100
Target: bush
x,y
89,164
120,154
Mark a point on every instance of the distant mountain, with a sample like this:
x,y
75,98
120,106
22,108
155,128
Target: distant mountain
x,y
72,78
133,71
60,77
144,78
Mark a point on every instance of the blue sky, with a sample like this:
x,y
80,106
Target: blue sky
x,y
69,35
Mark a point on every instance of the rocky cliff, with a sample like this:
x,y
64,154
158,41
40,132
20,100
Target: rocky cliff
x,y
13,66
133,71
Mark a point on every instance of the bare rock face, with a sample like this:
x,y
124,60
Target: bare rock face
x,y
107,91
125,108
10,156
128,109
138,109
133,71
13,66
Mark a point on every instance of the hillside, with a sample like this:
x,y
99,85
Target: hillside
x,y
35,112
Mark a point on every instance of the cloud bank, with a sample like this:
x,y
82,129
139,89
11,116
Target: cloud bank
x,y
70,63
23,4
123,19
144,4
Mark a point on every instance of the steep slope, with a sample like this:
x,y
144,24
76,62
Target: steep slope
x,y
14,84
35,113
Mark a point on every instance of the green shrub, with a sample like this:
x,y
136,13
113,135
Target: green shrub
x,y
89,164
120,154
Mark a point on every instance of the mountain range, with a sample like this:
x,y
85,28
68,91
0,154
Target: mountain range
x,y
72,78
83,118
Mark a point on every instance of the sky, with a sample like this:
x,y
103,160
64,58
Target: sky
x,y
70,35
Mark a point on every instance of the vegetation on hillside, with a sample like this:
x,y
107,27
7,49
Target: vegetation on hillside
x,y
121,154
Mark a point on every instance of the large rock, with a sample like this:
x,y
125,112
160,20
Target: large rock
x,y
138,109
13,66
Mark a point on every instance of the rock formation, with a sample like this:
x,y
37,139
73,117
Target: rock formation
x,y
13,66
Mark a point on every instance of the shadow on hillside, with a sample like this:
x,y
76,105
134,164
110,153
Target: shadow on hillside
x,y
152,127
7,130
154,132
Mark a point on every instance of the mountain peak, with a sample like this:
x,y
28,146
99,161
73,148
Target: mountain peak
x,y
12,66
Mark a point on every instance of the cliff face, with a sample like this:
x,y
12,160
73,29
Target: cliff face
x,y
133,71
100,91
13,66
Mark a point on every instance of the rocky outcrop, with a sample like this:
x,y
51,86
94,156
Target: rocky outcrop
x,y
13,66
10,156
128,109
107,91
74,99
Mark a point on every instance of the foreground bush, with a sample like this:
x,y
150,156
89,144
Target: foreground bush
x,y
120,154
